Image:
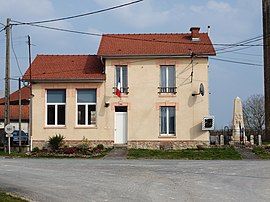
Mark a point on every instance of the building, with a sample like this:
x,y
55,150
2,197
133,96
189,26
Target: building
x,y
136,91
15,109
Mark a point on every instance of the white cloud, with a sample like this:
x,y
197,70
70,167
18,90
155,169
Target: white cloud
x,y
139,16
219,6
30,9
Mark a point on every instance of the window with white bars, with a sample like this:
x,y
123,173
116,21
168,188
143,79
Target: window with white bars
x,y
86,107
56,107
121,78
167,79
167,121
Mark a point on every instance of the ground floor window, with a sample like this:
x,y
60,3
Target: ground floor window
x,y
56,107
86,107
167,121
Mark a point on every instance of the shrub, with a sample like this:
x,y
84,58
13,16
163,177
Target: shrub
x,y
100,146
69,150
55,142
35,149
83,148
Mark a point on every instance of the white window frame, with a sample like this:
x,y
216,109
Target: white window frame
x,y
121,76
56,110
168,120
167,76
86,108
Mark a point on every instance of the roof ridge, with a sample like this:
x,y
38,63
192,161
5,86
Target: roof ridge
x,y
67,55
170,33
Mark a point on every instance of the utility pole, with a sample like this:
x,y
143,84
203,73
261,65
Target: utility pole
x,y
7,77
266,45
20,115
31,96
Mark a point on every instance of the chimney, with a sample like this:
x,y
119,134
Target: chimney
x,y
195,33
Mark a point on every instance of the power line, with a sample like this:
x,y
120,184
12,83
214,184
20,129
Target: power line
x,y
229,51
246,59
237,62
139,39
248,54
253,39
81,15
2,29
13,50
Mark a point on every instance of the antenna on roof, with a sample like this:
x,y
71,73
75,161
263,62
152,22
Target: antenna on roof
x,y
208,30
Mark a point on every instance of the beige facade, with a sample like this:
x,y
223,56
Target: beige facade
x,y
143,102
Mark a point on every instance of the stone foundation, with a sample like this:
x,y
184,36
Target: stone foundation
x,y
137,144
175,144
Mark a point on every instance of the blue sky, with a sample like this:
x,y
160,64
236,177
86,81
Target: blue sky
x,y
230,20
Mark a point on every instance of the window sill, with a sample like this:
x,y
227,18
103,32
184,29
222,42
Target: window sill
x,y
122,95
54,127
166,94
86,127
167,136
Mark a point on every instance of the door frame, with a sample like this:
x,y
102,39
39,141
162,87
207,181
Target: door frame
x,y
120,110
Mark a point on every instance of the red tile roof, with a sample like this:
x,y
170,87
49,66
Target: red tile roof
x,y
14,112
14,97
66,67
174,44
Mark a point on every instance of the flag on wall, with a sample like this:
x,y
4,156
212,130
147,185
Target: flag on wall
x,y
118,90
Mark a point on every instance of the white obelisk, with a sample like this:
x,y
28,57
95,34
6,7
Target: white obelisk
x,y
238,120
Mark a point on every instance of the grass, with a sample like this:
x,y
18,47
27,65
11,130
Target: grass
x,y
261,152
226,153
13,154
8,198
266,142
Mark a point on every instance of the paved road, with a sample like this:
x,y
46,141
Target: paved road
x,y
136,180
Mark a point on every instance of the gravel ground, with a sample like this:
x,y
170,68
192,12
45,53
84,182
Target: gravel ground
x,y
136,180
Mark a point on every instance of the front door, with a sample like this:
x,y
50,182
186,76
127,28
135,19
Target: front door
x,y
120,128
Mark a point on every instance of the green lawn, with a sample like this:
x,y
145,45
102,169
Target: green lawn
x,y
227,153
262,152
266,142
8,198
13,154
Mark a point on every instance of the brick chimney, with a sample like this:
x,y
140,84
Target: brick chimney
x,y
195,33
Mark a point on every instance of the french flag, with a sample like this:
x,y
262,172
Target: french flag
x,y
118,89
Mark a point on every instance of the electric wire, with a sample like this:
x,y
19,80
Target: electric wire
x,y
236,62
81,15
2,29
139,39
14,53
248,54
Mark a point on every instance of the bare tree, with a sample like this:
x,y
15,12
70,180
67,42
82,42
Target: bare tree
x,y
253,111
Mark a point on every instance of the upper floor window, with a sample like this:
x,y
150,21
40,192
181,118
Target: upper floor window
x,y
86,106
167,79
121,79
56,107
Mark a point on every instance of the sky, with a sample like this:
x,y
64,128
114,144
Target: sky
x,y
231,21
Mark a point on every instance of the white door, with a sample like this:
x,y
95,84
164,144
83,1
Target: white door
x,y
120,130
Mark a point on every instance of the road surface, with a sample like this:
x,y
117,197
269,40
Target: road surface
x,y
136,180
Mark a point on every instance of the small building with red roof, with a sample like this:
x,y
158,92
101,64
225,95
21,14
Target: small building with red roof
x,y
140,90
15,109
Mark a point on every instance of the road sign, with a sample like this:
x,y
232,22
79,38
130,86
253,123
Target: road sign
x,y
9,128
9,135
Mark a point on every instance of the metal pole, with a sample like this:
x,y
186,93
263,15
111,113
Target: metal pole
x,y
20,115
7,77
30,104
266,43
9,144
